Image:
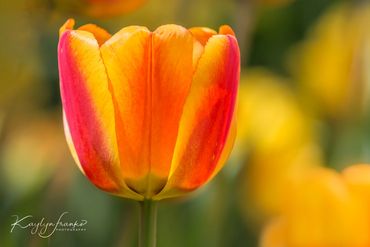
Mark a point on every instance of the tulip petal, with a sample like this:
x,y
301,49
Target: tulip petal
x,y
88,108
198,50
229,144
172,71
207,118
70,144
99,33
127,60
202,34
148,71
226,29
68,25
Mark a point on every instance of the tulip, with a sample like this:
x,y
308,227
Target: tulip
x,y
148,115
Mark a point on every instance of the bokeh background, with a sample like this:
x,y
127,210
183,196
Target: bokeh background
x,y
302,125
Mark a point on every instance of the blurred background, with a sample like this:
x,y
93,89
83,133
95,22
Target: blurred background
x,y
303,120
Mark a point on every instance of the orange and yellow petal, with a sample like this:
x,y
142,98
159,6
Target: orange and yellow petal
x,y
229,144
67,26
148,71
226,29
88,110
202,34
172,73
127,60
99,33
207,117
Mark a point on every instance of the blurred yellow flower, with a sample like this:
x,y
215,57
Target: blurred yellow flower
x,y
358,179
270,118
329,65
277,135
274,234
267,178
32,151
321,210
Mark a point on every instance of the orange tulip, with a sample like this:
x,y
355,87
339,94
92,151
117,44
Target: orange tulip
x,y
149,115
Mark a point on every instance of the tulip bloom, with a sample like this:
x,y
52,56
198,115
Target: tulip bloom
x,y
149,115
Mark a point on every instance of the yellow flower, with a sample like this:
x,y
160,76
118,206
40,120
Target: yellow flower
x,y
330,64
270,118
358,179
33,151
321,210
274,137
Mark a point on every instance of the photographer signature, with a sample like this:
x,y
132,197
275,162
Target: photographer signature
x,y
44,228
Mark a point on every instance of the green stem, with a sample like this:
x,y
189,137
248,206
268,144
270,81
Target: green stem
x,y
148,224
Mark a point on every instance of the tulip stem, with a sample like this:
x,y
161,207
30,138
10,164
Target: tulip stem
x,y
148,224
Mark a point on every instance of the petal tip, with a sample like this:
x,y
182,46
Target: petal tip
x,y
171,28
100,34
68,25
226,30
